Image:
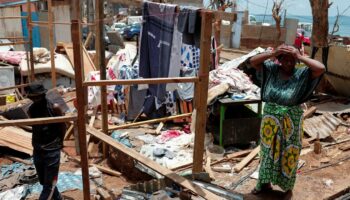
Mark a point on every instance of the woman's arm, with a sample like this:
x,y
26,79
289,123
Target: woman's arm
x,y
316,67
258,60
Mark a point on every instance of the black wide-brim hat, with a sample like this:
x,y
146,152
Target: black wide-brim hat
x,y
35,89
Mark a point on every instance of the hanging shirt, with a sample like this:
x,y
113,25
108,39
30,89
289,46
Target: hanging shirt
x,y
155,48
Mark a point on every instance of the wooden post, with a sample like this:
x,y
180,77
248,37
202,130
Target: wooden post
x,y
81,106
52,45
100,60
201,92
30,40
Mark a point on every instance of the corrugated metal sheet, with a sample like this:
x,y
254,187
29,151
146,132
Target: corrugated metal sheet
x,y
323,125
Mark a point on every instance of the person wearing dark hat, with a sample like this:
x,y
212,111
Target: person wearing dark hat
x,y
47,141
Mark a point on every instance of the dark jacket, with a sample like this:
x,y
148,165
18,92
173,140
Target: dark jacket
x,y
47,136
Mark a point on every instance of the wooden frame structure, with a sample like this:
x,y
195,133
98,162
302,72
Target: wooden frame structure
x,y
201,92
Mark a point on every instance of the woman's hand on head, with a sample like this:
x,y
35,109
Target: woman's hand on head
x,y
291,51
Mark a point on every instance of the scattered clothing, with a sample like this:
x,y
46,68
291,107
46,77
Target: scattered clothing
x,y
17,193
238,81
118,136
12,57
161,152
66,181
168,135
121,67
155,49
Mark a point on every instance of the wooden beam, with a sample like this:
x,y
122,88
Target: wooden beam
x,y
13,17
201,92
88,39
52,44
246,160
30,40
69,132
153,165
14,43
104,194
107,170
309,112
100,62
150,121
75,29
142,81
14,87
36,121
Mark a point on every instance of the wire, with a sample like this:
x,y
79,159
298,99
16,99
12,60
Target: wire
x,y
255,4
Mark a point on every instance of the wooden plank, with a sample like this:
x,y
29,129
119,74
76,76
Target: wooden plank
x,y
246,160
15,159
345,148
208,168
104,194
88,39
201,92
36,121
153,165
309,112
69,132
88,64
225,159
107,170
14,43
30,39
17,139
142,81
76,34
100,63
150,121
159,128
52,45
233,155
93,117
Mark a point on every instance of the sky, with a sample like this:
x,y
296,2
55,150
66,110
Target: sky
x,y
294,7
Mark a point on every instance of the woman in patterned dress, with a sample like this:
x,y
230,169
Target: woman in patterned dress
x,y
284,88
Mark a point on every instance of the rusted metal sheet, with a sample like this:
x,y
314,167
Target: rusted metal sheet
x,y
323,125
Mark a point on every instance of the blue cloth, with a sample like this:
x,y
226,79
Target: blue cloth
x,y
116,135
66,181
155,49
47,165
16,167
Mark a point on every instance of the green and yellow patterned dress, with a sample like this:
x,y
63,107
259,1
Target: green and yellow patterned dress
x,y
281,128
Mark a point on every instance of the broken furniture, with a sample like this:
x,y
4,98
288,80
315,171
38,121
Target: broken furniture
x,y
231,128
